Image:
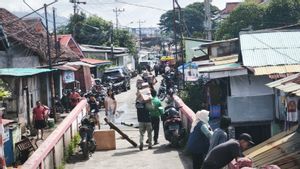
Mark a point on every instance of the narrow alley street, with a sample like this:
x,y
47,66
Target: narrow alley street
x,y
125,156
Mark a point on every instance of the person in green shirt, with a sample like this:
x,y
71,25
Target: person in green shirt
x,y
155,114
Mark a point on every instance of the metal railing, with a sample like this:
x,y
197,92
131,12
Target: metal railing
x,y
50,153
187,114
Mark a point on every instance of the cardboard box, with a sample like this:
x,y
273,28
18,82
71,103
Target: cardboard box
x,y
144,94
105,140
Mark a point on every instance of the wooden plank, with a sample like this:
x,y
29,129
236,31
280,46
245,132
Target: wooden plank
x,y
269,146
120,132
276,152
271,140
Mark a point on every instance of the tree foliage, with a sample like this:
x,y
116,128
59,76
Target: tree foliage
x,y
257,16
3,91
94,30
245,16
194,95
281,13
193,17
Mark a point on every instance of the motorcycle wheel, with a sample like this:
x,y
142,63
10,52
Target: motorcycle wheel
x,y
85,150
174,142
92,146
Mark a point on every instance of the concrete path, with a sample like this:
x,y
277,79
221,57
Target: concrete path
x,y
125,156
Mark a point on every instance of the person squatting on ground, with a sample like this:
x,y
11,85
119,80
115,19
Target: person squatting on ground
x,y
144,120
223,154
110,104
39,117
155,114
198,142
220,136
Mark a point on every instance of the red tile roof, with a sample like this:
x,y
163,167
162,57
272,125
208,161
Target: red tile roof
x,y
26,34
69,42
64,39
230,6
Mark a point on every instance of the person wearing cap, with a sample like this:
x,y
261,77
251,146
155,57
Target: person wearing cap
x,y
198,142
223,154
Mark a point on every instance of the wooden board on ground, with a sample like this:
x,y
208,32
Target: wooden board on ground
x,y
112,126
105,140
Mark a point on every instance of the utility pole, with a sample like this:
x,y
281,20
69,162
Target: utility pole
x,y
117,12
112,40
140,33
208,23
75,5
175,30
56,42
180,21
51,81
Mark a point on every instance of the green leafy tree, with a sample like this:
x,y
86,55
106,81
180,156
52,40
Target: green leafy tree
x,y
193,17
3,92
282,12
94,30
247,15
194,95
257,16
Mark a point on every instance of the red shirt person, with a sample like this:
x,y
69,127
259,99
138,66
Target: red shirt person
x,y
74,98
39,117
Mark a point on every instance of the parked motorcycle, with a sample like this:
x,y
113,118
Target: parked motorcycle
x,y
162,91
100,92
173,129
86,130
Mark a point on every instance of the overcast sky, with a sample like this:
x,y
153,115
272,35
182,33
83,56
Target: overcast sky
x,y
104,8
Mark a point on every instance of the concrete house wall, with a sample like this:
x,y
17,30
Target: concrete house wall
x,y
20,57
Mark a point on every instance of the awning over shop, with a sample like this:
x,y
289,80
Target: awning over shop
x,y
22,71
221,71
268,70
96,62
290,84
218,68
65,68
79,63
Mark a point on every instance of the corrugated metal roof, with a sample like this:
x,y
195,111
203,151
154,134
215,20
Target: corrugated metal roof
x,y
267,70
22,71
289,84
225,59
270,48
284,80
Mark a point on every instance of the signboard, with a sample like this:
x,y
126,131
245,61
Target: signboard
x,y
68,76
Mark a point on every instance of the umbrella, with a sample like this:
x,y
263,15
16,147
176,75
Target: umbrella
x,y
167,58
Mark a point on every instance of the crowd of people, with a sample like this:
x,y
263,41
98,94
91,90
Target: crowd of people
x,y
212,149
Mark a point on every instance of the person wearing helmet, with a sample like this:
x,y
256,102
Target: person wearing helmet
x,y
198,142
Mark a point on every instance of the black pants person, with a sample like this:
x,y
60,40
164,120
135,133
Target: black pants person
x,y
156,73
197,160
155,125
